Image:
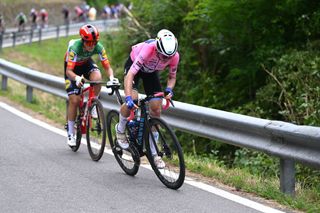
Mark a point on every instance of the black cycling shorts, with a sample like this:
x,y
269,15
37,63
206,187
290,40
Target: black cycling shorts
x,y
151,81
85,69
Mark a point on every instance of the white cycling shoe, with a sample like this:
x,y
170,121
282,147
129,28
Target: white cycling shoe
x,y
71,140
160,164
122,139
94,113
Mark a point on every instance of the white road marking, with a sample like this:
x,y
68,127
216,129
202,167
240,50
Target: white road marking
x,y
190,181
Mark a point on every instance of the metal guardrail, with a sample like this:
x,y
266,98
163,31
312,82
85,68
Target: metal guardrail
x,y
13,38
291,143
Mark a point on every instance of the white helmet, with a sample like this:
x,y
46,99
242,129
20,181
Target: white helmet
x,y
167,43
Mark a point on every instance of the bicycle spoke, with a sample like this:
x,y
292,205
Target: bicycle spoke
x,y
128,159
96,131
166,146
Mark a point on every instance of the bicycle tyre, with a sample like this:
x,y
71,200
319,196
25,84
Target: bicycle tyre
x,y
129,159
168,147
96,131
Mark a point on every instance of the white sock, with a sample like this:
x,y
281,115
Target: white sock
x,y
156,138
70,127
122,123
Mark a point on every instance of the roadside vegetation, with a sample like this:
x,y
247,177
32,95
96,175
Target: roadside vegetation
x,y
254,173
239,60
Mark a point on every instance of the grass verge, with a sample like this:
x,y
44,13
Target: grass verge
x,y
241,180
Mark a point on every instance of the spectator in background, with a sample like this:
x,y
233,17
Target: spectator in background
x,y
92,13
33,18
65,11
114,11
21,21
106,13
43,18
85,8
79,14
119,9
2,25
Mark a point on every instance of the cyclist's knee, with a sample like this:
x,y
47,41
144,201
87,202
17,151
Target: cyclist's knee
x,y
95,75
155,110
125,112
74,99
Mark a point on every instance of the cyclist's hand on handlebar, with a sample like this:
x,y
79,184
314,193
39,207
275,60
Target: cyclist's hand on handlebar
x,y
113,81
79,81
129,102
168,94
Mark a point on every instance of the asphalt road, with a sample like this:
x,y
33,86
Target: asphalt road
x,y
39,173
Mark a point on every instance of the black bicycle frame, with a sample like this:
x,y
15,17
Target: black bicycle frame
x,y
138,137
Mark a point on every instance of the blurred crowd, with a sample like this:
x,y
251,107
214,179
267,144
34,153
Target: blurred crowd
x,y
39,18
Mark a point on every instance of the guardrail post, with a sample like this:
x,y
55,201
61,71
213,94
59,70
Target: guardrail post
x,y
29,93
67,105
1,41
287,176
58,31
31,36
40,35
67,30
14,37
4,84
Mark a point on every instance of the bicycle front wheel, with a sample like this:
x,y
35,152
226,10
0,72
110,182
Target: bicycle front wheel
x,y
96,130
128,159
161,142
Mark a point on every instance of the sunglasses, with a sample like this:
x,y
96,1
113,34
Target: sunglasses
x,y
163,57
90,43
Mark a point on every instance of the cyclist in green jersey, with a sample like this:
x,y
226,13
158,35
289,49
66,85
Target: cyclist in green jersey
x,y
21,21
79,65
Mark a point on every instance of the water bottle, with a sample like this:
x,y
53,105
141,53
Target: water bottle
x,y
138,114
133,126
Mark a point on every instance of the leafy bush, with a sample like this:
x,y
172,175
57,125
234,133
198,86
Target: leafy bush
x,y
293,87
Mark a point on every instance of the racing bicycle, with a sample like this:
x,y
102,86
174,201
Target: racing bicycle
x,y
93,127
147,135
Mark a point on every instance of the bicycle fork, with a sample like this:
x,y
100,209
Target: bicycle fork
x,y
83,118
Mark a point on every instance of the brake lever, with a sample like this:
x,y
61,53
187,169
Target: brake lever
x,y
171,102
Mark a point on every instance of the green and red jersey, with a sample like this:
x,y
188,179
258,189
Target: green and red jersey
x,y
77,55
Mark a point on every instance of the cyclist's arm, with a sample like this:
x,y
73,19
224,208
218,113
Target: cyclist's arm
x,y
72,57
106,64
71,75
128,83
173,67
171,82
143,56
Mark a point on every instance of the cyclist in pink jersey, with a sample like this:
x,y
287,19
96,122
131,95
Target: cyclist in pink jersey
x,y
145,61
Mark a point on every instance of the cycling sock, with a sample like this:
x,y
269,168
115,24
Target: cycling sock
x,y
70,127
122,123
156,138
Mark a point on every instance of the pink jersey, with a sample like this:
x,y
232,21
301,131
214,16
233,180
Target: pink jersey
x,y
145,58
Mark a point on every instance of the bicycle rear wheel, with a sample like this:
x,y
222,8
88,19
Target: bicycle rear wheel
x,y
96,131
129,159
166,146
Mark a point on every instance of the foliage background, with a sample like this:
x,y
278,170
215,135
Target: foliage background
x,y
259,58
